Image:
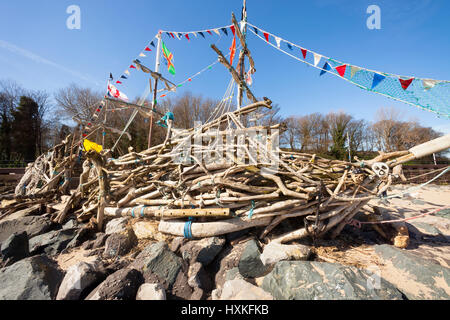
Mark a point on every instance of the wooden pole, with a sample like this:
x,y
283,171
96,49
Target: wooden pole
x,y
155,89
242,63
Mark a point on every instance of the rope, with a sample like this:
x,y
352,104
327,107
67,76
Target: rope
x,y
425,174
250,213
357,223
188,229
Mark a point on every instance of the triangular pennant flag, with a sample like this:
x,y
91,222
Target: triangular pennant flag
x,y
224,30
278,40
354,70
232,50
132,67
289,46
317,58
304,51
201,33
195,34
148,49
405,83
142,55
377,78
209,32
233,30
256,30
123,77
325,68
111,76
118,82
216,31
187,36
179,36
168,34
248,78
428,83
127,72
172,35
341,70
266,35
152,44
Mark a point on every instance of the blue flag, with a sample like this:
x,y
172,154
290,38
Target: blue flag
x,y
377,78
326,67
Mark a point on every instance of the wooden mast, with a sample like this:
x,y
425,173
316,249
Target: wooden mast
x,y
155,89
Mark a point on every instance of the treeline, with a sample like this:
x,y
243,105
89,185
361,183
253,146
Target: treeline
x,y
31,122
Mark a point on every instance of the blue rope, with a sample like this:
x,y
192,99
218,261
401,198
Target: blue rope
x,y
188,229
142,211
250,213
132,212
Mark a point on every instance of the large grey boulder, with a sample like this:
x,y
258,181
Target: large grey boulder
x,y
310,280
203,251
239,289
250,264
15,248
78,278
121,285
31,224
52,242
160,261
34,278
416,277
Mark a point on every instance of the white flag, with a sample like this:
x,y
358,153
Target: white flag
x,y
354,70
217,31
428,83
195,34
317,58
278,40
113,92
127,72
142,55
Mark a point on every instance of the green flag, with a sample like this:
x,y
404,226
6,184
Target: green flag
x,y
169,57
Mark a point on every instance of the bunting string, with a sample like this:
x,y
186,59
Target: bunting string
x,y
427,94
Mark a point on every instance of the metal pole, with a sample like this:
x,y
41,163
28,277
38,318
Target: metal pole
x,y
155,89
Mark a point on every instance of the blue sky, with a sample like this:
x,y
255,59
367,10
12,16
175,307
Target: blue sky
x,y
40,52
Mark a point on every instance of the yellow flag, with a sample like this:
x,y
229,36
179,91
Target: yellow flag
x,y
88,145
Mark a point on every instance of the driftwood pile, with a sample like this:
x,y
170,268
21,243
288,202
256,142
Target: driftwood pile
x,y
216,190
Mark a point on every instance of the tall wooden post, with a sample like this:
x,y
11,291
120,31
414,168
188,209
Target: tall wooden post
x,y
155,89
242,65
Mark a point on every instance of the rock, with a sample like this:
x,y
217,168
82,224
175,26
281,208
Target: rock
x,y
151,291
15,248
177,243
227,260
33,278
198,278
81,236
250,264
78,278
32,225
52,242
100,240
416,277
233,274
160,261
203,251
117,225
148,230
310,280
121,285
119,244
239,289
72,223
33,210
424,228
181,288
274,252
198,294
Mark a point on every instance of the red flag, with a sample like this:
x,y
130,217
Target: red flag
x,y
233,50
148,49
209,32
172,35
233,30
304,51
189,79
341,70
132,67
187,36
266,35
119,82
405,83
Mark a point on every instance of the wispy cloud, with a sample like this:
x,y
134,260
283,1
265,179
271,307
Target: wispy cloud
x,y
38,59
